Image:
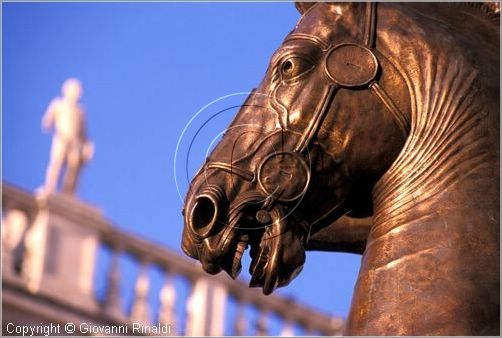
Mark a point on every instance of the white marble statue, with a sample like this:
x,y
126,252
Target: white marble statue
x,y
70,147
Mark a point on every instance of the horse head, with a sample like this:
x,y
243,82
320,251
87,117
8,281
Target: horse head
x,y
390,111
306,148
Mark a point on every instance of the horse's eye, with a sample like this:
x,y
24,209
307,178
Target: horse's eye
x,y
287,66
293,67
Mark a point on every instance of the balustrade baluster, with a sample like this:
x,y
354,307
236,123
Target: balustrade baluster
x,y
33,261
240,324
15,225
217,300
113,302
140,309
167,314
196,308
262,323
288,330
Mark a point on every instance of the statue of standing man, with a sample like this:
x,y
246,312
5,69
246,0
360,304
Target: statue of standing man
x,y
70,147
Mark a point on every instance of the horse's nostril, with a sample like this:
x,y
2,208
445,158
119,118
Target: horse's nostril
x,y
207,208
204,214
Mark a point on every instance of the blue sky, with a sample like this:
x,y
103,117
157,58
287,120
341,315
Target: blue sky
x,y
147,68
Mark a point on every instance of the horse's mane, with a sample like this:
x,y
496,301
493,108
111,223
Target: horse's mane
x,y
490,9
451,98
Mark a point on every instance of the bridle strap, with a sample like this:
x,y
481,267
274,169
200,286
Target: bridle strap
x,y
316,122
402,121
243,173
370,40
370,25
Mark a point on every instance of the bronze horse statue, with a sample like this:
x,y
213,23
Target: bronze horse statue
x,y
385,112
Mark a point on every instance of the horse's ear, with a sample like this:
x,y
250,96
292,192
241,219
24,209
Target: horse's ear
x,y
302,7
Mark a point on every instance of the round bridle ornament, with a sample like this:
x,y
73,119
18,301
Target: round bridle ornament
x,y
351,65
284,175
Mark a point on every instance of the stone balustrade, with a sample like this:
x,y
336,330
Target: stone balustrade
x,y
52,244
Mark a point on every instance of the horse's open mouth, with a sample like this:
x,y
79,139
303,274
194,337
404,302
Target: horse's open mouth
x,y
256,238
266,244
263,268
220,239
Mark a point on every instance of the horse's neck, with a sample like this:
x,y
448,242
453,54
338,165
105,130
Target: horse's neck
x,y
431,265
434,269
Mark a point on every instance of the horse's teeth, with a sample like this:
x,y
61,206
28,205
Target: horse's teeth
x,y
236,262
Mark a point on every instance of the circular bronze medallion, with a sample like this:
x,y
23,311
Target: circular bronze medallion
x,y
351,65
284,174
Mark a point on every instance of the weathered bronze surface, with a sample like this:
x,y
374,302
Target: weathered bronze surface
x,y
375,130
